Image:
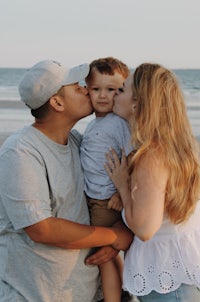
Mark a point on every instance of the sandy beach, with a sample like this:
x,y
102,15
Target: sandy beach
x,y
11,118
7,105
12,105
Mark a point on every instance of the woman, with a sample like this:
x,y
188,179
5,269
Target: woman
x,y
160,197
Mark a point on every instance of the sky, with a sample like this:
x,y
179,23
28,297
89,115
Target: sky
x,y
78,31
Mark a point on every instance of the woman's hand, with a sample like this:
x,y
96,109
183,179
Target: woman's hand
x,y
117,170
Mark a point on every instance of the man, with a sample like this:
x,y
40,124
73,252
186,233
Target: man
x,y
44,220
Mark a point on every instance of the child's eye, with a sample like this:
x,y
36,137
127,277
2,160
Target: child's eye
x,y
120,89
111,89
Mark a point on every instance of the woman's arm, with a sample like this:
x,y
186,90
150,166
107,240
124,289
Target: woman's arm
x,y
144,202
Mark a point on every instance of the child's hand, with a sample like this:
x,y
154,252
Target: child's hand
x,y
115,202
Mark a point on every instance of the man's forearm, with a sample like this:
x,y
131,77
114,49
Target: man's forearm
x,y
70,235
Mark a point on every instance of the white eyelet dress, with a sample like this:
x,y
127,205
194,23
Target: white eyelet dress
x,y
163,263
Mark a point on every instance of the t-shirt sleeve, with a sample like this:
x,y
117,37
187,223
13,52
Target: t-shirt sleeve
x,y
76,136
123,135
24,188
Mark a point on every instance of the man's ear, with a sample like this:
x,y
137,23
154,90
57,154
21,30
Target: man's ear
x,y
56,103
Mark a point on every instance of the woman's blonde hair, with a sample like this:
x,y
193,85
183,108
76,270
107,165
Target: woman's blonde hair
x,y
161,123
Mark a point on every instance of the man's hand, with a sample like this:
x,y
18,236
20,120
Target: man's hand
x,y
124,241
102,255
107,253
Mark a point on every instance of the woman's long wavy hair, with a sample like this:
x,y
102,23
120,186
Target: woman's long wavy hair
x,y
161,124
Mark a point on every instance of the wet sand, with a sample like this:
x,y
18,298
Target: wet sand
x,y
9,105
12,105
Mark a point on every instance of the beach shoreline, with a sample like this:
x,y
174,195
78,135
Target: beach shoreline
x,y
17,106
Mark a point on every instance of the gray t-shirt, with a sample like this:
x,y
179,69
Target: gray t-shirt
x,y
101,134
39,179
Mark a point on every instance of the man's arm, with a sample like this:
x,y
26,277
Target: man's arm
x,y
70,235
106,253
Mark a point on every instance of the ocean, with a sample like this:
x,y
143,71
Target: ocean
x,y
13,115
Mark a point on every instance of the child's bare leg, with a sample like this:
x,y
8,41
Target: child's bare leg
x,y
120,265
111,280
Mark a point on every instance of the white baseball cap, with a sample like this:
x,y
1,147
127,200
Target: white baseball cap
x,y
45,78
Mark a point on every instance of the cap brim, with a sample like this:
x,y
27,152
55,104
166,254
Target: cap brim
x,y
77,74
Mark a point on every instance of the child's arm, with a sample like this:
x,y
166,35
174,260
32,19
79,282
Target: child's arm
x,y
115,202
